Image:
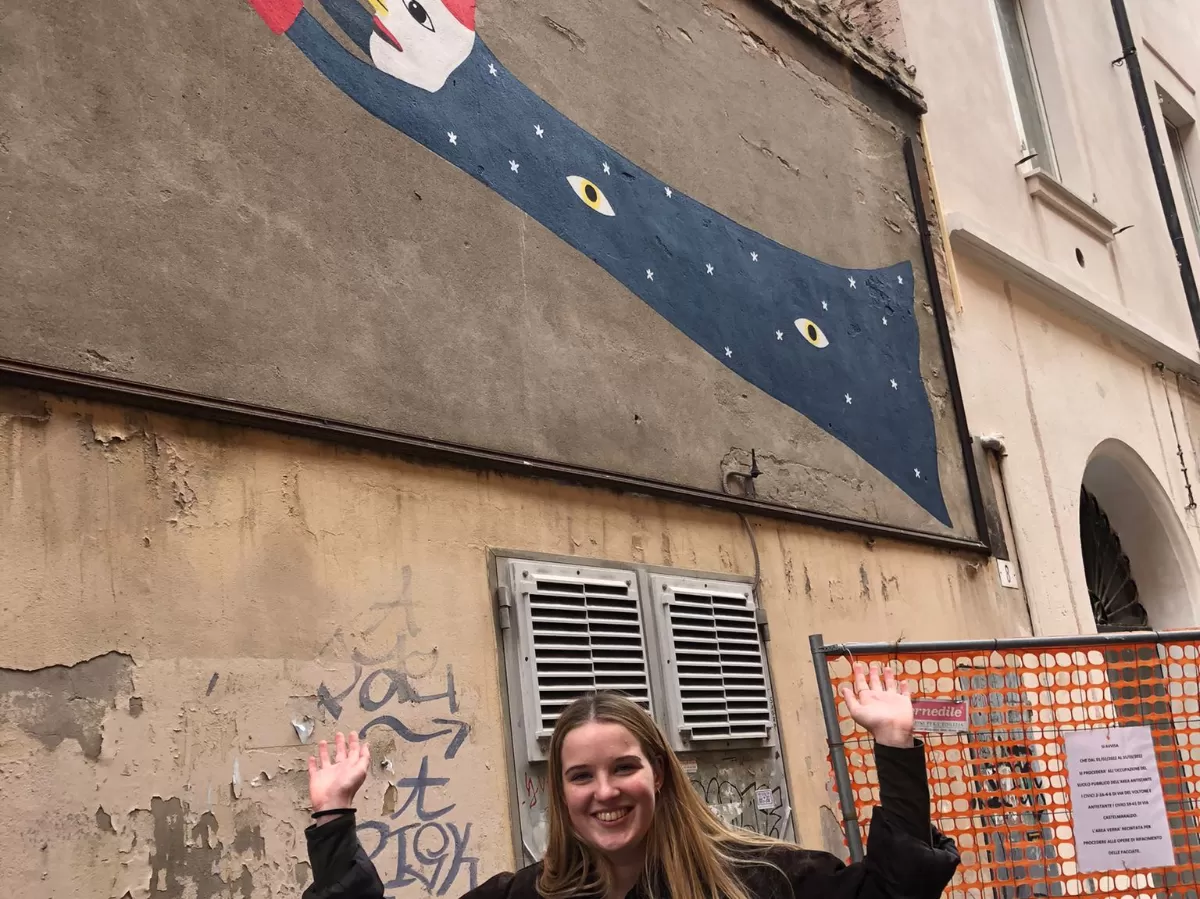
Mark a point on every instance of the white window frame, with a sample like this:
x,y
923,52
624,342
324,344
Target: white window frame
x,y
1177,144
514,572
1047,158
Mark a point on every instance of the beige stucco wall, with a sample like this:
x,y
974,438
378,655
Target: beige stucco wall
x,y
200,584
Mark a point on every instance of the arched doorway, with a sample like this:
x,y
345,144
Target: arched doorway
x,y
1139,565
1111,588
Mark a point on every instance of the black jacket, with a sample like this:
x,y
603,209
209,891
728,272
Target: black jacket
x,y
906,857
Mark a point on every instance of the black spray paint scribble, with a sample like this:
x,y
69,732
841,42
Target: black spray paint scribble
x,y
773,822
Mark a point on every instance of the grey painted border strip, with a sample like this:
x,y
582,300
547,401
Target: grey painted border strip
x,y
173,402
1000,644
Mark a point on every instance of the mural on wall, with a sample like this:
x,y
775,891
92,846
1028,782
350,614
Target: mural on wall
x,y
839,346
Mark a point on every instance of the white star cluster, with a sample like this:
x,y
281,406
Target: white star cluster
x,y
811,332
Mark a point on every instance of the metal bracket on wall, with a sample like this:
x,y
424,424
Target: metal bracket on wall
x,y
764,627
504,607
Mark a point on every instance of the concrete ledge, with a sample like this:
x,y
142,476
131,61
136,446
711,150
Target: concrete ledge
x,y
1050,192
1058,289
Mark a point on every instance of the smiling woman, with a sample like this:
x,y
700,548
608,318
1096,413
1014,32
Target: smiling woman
x,y
625,822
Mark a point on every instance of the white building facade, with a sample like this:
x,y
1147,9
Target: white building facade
x,y
1074,335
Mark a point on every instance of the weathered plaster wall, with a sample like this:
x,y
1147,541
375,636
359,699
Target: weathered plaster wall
x,y
193,205
180,601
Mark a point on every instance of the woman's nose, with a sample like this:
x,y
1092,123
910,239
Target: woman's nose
x,y
605,789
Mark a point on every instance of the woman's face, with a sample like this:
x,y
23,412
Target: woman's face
x,y
610,788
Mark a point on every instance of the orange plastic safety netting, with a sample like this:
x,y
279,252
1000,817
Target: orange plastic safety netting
x,y
1000,789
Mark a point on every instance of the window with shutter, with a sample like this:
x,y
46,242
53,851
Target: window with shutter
x,y
716,667
579,630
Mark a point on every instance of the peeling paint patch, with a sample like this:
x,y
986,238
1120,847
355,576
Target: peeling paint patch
x,y
108,434
24,405
248,835
66,702
831,833
389,801
187,862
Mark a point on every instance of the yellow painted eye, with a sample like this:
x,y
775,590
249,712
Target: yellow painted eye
x,y
590,194
812,333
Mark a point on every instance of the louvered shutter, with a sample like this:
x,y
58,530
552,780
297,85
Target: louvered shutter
x,y
716,668
581,631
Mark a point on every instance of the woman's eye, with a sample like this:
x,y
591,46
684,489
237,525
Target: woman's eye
x,y
590,194
812,333
418,12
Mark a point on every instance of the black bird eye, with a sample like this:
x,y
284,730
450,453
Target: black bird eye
x,y
417,11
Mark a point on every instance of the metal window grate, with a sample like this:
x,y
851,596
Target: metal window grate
x,y
585,634
718,661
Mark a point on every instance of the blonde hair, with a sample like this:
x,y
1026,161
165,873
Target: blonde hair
x,y
695,852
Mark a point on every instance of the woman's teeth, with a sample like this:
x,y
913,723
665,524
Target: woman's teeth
x,y
609,817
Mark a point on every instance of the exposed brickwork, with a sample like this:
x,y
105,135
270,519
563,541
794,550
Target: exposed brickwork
x,y
868,32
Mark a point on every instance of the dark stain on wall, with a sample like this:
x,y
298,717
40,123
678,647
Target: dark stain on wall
x,y
66,702
181,860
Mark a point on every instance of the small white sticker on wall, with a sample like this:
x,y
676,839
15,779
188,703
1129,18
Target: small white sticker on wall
x,y
1008,574
765,799
689,766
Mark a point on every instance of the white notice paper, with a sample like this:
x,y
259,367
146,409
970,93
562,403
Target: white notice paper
x,y
1117,800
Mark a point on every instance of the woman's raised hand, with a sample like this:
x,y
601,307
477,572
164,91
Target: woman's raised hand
x,y
880,705
332,784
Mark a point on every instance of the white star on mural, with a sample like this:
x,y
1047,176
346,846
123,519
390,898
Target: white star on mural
x,y
537,129
708,267
492,67
668,190
885,320
606,169
728,353
649,275
453,137
514,165
754,257
825,305
899,279
849,399
853,283
917,472
895,386
779,335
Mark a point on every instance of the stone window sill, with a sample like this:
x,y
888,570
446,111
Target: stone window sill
x,y
1050,192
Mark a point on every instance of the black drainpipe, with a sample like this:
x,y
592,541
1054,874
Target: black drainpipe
x,y
1129,56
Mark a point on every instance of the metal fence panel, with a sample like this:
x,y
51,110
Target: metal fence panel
x,y
1000,790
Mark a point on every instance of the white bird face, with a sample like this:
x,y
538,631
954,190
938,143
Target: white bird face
x,y
421,42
